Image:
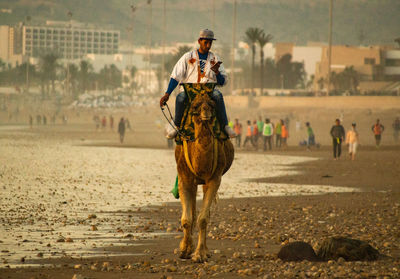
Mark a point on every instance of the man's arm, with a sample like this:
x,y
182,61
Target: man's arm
x,y
222,76
178,74
173,83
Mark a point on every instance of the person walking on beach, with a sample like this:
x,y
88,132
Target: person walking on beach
x,y
260,126
249,134
268,131
104,122
396,129
278,133
311,136
237,127
121,129
284,133
255,134
30,121
111,122
378,129
337,133
352,141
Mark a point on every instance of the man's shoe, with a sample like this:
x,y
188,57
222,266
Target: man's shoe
x,y
230,132
171,132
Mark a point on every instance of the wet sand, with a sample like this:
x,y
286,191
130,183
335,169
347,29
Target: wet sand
x,y
106,231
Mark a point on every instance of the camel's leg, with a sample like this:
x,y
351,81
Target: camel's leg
x,y
200,255
187,193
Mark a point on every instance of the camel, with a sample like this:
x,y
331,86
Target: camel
x,y
207,159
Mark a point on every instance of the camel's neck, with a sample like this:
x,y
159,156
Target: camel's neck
x,y
202,151
203,135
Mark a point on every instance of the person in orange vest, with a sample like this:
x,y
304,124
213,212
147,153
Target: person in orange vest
x,y
249,134
378,129
237,127
284,133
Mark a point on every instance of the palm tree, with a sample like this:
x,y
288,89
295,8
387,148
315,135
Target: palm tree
x,y
397,40
48,69
73,75
251,36
85,68
352,78
169,65
262,41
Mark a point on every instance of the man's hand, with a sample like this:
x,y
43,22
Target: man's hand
x,y
164,99
215,68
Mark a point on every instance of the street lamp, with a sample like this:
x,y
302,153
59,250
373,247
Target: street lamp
x,y
28,18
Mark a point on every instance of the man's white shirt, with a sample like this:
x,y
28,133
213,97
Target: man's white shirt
x,y
186,69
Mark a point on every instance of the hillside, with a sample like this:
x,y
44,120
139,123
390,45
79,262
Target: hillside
x,y
355,21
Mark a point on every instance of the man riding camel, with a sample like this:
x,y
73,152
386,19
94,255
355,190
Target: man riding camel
x,y
198,66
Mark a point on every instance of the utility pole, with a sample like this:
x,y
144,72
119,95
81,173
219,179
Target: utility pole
x,y
329,47
70,26
213,16
133,9
28,18
149,26
233,45
163,43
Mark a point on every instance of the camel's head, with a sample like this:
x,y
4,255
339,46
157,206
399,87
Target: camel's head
x,y
203,108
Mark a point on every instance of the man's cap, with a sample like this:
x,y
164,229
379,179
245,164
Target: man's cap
x,y
206,34
353,124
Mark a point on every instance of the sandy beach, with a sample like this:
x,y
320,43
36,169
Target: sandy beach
x,y
74,201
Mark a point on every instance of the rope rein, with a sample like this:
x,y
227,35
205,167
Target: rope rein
x,y
171,120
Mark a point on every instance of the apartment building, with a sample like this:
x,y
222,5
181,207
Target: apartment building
x,y
70,40
9,45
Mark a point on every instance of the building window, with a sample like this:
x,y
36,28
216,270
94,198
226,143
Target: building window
x,y
369,61
28,30
42,31
392,62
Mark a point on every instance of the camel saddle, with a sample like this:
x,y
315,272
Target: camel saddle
x,y
186,128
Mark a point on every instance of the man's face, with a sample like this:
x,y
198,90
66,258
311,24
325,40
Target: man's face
x,y
337,123
205,45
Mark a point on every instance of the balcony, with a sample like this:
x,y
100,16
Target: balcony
x,y
392,71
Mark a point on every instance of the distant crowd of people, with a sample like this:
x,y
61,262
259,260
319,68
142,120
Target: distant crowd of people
x,y
41,119
123,125
351,138
268,134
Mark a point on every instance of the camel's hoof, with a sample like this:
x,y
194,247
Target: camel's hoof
x,y
185,255
197,258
